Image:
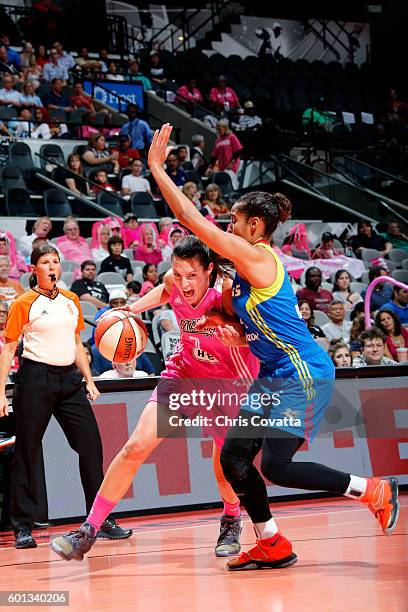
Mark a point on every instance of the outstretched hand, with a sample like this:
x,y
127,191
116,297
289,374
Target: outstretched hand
x,y
159,150
228,335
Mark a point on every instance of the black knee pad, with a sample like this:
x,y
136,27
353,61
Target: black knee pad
x,y
235,468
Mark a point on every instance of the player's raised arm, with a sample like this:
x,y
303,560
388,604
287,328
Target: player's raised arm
x,y
232,247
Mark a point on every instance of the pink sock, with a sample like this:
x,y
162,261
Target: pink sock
x,y
232,509
101,508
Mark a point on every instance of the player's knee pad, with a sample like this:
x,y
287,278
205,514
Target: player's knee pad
x,y
235,468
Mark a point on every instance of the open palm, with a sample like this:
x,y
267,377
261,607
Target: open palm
x,y
159,150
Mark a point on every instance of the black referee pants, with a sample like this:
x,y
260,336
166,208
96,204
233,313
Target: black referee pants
x,y
41,391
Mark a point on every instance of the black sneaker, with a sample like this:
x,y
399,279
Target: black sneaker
x,y
228,540
24,539
75,544
110,530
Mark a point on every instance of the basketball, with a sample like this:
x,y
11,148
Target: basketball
x,y
121,336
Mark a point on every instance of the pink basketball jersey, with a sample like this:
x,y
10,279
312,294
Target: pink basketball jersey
x,y
199,354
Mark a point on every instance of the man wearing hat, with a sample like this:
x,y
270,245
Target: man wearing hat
x,y
126,154
248,120
326,250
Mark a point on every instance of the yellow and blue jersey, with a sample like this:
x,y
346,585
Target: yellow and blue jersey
x,y
275,329
292,363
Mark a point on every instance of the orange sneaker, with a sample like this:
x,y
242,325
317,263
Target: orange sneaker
x,y
381,498
271,553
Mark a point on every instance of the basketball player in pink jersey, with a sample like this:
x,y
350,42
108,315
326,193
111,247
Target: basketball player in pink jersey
x,y
198,355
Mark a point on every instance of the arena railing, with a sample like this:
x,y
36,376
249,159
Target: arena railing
x,y
181,21
74,175
357,168
283,170
78,196
379,198
340,189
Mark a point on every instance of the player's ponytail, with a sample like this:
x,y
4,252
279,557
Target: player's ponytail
x,y
271,208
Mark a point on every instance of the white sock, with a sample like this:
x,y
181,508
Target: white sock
x,y
357,487
266,530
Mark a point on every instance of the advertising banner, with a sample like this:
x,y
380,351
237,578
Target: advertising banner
x,y
364,432
107,92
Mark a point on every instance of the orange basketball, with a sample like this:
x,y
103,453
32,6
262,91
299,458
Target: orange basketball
x,y
121,336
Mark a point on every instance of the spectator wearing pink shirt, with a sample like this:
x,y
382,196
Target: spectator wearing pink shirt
x,y
148,249
72,245
131,231
225,154
223,98
17,262
188,95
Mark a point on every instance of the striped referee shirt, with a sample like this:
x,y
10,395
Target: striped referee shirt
x,y
48,325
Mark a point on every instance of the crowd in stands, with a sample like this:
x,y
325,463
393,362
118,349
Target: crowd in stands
x,y
42,91
139,253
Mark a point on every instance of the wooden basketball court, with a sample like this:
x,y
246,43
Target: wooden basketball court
x,y
345,564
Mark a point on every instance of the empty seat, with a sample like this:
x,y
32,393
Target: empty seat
x,y
401,276
88,310
110,201
75,116
142,204
20,155
397,256
110,278
18,203
11,176
56,203
53,153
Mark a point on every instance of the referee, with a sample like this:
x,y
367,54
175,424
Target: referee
x,y
48,383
